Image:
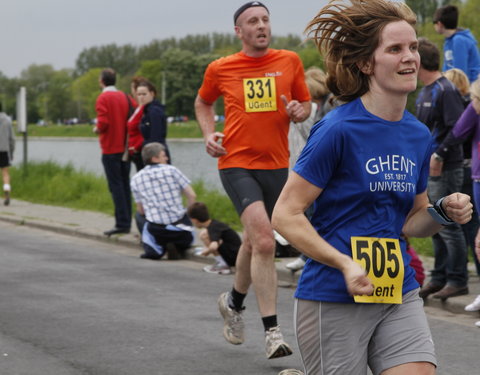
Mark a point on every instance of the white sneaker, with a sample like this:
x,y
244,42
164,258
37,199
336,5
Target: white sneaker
x,y
275,346
296,265
478,324
232,321
474,306
218,268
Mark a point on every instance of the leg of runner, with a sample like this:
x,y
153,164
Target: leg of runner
x,y
258,235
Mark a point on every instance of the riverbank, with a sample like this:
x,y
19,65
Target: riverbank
x,y
62,185
188,129
83,153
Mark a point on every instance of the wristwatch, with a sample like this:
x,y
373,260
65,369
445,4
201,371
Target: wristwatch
x,y
437,213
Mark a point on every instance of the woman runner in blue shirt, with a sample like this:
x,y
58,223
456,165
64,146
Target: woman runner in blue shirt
x,y
365,168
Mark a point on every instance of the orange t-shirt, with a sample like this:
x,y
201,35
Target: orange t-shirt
x,y
256,121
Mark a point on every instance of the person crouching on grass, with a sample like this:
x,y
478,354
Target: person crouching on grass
x,y
219,239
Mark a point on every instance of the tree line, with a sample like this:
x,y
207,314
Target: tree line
x,y
174,65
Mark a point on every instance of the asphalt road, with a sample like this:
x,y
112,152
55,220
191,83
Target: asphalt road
x,y
75,306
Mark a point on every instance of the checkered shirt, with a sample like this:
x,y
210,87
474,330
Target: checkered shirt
x,y
158,187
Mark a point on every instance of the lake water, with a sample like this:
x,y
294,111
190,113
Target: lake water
x,y
84,154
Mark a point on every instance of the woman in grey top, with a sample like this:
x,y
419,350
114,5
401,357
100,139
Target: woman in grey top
x,y
7,146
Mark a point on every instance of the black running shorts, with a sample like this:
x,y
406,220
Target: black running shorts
x,y
245,186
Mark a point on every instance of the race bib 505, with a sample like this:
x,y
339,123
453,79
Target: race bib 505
x,y
382,260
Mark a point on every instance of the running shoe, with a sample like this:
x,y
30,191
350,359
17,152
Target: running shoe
x,y
296,265
219,269
275,346
6,202
291,371
474,306
232,321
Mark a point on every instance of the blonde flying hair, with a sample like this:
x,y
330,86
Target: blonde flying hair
x,y
316,81
459,79
347,36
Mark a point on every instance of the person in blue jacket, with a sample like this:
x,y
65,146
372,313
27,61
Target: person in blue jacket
x,y
460,47
365,168
153,125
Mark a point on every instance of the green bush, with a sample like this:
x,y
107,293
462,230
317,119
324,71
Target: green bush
x,y
422,246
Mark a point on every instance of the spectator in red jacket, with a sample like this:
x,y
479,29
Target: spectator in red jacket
x,y
112,108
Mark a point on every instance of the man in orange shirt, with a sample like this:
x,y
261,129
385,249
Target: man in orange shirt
x,y
263,89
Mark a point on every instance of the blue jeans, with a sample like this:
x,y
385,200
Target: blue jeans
x,y
118,178
140,220
449,244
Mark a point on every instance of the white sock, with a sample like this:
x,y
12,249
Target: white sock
x,y
220,260
6,187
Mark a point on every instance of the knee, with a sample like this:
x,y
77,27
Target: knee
x,y
264,246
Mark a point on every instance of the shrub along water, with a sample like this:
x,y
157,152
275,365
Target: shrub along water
x,y
50,183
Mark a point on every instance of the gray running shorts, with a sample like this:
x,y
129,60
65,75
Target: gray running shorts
x,y
245,186
344,338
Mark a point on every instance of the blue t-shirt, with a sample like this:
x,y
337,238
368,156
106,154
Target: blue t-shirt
x,y
370,171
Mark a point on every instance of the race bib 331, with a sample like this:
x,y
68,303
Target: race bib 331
x,y
260,94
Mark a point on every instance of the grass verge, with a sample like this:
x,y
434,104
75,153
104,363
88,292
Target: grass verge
x,y
189,129
52,184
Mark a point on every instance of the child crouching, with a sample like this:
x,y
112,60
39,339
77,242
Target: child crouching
x,y
218,239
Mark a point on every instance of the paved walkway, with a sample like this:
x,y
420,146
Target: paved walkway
x,y
92,224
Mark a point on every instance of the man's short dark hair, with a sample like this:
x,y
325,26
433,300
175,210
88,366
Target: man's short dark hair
x,y
429,55
447,15
108,77
198,211
151,150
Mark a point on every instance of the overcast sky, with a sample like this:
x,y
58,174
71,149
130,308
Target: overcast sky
x,y
56,31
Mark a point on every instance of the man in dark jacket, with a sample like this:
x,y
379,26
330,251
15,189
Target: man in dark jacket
x,y
439,105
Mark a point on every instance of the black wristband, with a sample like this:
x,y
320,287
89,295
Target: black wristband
x,y
437,206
